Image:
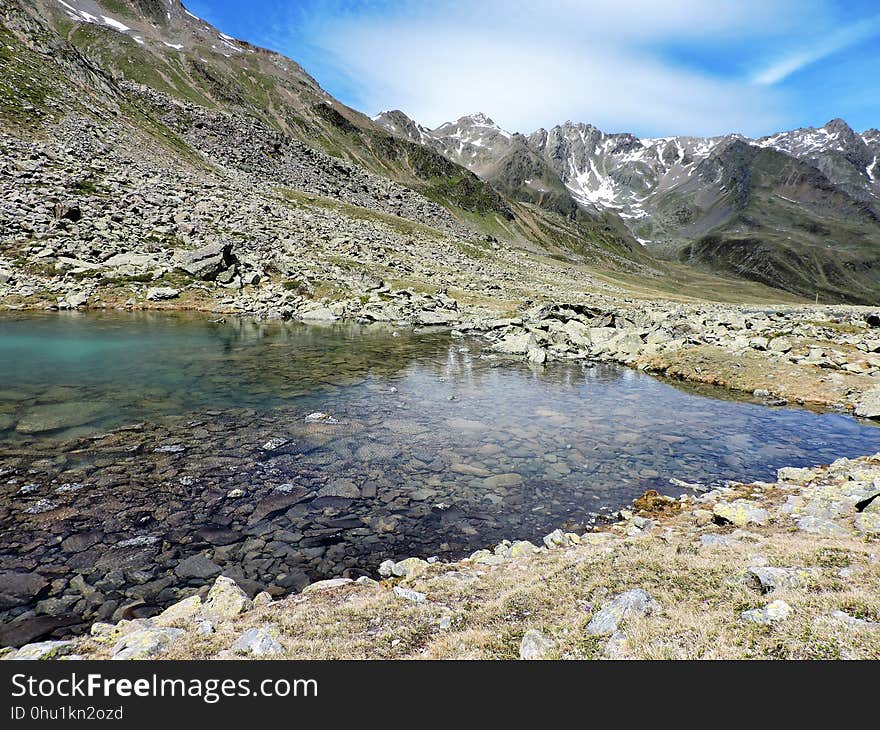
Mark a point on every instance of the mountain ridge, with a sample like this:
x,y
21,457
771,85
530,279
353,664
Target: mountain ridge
x,y
682,197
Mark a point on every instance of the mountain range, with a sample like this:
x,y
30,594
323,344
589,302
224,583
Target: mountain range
x,y
798,211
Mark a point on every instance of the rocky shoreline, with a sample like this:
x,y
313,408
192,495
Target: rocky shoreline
x,y
828,518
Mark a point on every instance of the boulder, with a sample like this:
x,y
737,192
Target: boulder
x,y
57,416
207,262
43,650
740,512
325,585
146,643
184,610
408,594
766,579
516,344
868,405
197,566
409,566
162,293
226,600
19,589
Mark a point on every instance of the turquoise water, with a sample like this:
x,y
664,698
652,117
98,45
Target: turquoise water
x,y
117,428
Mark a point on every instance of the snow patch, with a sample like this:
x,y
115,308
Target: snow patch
x,y
115,24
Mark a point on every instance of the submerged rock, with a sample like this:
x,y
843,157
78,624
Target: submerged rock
x,y
58,416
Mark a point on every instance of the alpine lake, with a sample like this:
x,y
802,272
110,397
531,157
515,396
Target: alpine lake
x,y
142,455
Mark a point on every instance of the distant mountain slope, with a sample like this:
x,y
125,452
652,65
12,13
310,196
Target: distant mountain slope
x,y
798,210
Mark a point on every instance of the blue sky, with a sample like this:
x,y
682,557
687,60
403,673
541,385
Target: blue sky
x,y
649,67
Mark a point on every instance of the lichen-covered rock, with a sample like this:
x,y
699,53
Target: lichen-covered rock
x,y
535,645
259,642
409,567
325,585
795,476
820,526
767,579
184,610
741,512
226,600
146,643
42,650
631,604
770,614
522,548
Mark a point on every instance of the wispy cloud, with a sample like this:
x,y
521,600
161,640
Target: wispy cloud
x,y
676,67
534,64
819,49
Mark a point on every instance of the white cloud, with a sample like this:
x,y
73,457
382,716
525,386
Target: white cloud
x,y
531,64
820,48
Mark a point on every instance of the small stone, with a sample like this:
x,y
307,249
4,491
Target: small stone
x,y
386,568
259,642
535,645
770,614
263,598
633,603
409,594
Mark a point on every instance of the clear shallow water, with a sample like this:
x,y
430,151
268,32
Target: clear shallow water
x,y
432,448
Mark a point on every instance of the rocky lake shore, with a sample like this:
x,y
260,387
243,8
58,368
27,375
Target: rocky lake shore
x,y
782,569
153,538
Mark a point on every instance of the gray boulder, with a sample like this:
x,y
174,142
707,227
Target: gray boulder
x,y
207,262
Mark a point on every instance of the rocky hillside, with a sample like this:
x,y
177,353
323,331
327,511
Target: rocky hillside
x,y
162,46
797,210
